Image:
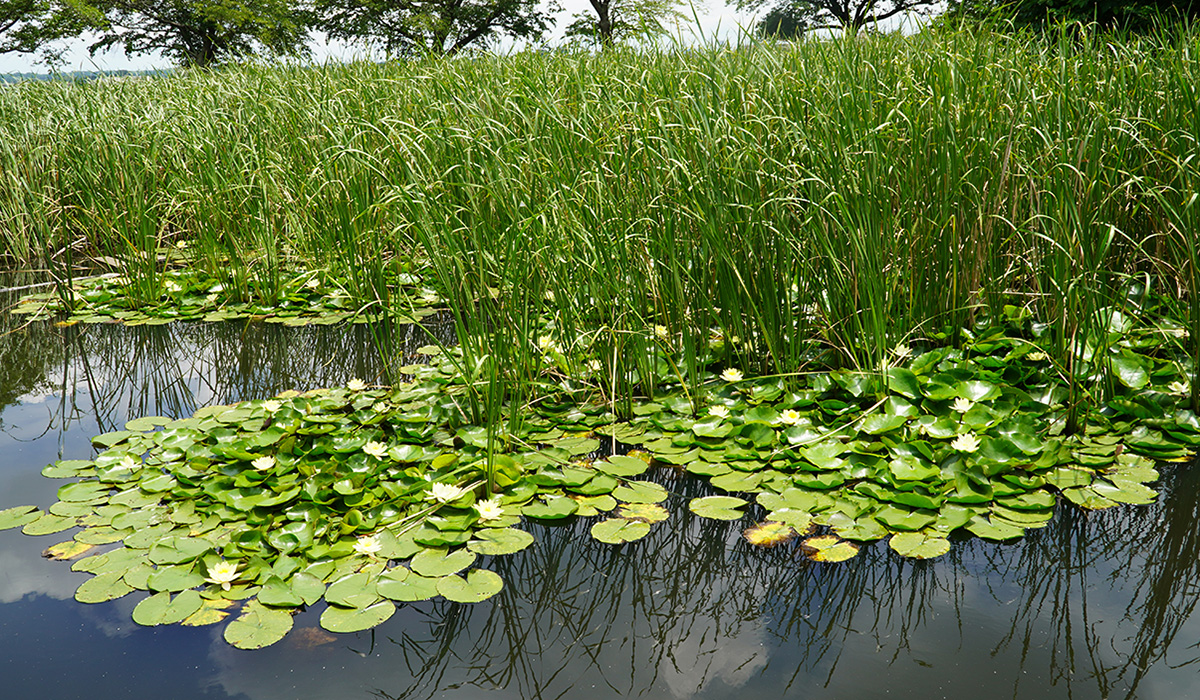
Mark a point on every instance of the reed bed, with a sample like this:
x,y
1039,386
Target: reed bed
x,y
785,208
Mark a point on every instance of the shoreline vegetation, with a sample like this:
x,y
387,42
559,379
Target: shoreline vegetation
x,y
889,287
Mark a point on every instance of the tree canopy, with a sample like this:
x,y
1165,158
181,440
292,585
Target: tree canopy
x,y
1133,15
614,21
790,18
438,27
190,32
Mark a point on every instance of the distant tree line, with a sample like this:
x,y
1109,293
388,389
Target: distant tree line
x,y
208,32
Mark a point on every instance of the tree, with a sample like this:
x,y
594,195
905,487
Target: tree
x,y
790,18
190,32
1133,15
33,26
621,20
436,27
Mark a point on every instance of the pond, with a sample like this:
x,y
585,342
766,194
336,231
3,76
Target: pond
x,y
1096,605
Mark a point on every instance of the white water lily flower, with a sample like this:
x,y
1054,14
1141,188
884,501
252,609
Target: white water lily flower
x,y
173,286
967,442
263,463
271,405
312,283
489,509
661,332
789,417
356,384
547,344
376,449
961,405
127,462
718,411
444,493
367,545
902,351
731,374
222,574
1179,388
1036,356
595,365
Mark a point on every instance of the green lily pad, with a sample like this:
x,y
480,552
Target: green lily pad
x,y
101,588
621,466
258,626
738,482
83,491
434,563
500,541
718,507
640,492
619,530
357,590
479,585
552,508
347,620
990,529
403,585
919,545
49,524
646,512
160,609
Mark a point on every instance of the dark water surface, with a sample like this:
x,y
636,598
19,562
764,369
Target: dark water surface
x,y
1096,605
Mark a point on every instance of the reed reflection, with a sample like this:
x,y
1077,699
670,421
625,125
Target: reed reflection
x,y
1091,606
109,374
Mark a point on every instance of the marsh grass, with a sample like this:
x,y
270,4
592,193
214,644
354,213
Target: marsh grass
x,y
784,208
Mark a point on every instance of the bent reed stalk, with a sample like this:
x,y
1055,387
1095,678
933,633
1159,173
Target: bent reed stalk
x,y
809,205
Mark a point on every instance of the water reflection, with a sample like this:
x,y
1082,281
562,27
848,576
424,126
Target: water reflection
x,y
1094,605
1101,605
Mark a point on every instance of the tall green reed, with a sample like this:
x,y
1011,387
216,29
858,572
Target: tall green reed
x,y
819,203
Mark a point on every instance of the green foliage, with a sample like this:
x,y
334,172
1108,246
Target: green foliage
x,y
190,33
419,28
1136,16
621,21
787,19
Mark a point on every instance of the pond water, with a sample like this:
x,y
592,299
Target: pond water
x,y
1096,605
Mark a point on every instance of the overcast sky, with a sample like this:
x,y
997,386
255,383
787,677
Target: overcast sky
x,y
718,20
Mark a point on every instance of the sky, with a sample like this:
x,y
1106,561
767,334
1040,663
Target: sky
x,y
716,21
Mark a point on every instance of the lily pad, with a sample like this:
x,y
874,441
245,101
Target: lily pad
x,y
919,545
347,620
769,533
160,609
258,626
640,492
646,512
552,508
619,530
828,548
403,585
101,588
718,507
49,524
479,585
356,590
500,541
434,563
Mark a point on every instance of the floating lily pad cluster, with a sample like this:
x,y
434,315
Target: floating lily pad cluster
x,y
190,294
368,497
